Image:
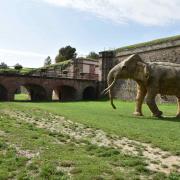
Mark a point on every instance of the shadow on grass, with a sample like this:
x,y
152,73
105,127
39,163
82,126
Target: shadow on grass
x,y
165,118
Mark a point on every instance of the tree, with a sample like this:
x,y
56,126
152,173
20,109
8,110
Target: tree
x,y
18,66
47,61
66,53
92,55
3,65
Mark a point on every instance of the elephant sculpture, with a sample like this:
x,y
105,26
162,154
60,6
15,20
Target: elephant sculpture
x,y
152,78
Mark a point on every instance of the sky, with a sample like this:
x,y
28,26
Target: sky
x,y
31,30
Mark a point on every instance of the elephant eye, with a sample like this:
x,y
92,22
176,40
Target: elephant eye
x,y
124,67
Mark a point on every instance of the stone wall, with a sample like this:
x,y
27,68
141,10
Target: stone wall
x,y
166,51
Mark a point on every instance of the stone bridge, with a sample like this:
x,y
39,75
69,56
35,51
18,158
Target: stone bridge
x,y
45,88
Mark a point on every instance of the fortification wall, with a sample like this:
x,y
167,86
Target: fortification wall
x,y
166,51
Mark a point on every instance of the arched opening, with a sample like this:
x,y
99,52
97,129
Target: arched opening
x,y
22,94
65,93
31,92
89,93
3,93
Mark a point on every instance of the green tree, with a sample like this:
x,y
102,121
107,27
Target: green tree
x,y
93,55
47,61
66,53
18,66
3,65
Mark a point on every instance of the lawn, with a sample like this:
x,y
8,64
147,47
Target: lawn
x,y
28,151
163,133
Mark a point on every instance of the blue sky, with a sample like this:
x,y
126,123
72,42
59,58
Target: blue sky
x,y
31,30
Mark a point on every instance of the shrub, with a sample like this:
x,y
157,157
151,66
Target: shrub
x,y
3,65
18,67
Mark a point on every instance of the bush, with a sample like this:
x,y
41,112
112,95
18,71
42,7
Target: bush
x,y
3,66
18,67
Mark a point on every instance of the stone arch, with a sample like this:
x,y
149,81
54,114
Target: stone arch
x,y
65,93
36,92
22,94
89,93
3,93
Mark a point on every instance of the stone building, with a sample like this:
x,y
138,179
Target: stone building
x,y
166,49
79,68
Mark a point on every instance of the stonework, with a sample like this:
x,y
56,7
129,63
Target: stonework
x,y
41,89
166,51
85,78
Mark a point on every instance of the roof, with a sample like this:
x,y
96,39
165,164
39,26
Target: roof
x,y
149,43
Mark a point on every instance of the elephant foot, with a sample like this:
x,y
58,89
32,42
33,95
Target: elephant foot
x,y
178,116
158,114
137,113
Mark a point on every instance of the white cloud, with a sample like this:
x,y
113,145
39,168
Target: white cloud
x,y
27,59
146,12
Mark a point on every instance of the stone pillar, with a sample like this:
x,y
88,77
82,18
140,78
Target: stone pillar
x,y
49,93
79,94
10,96
106,62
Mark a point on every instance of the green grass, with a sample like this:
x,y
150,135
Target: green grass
x,y
21,97
163,133
149,43
23,71
85,161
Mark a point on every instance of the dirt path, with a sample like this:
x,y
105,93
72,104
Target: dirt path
x,y
157,159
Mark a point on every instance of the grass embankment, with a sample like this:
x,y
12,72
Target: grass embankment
x,y
11,71
148,43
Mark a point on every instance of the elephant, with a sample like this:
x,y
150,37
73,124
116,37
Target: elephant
x,y
152,78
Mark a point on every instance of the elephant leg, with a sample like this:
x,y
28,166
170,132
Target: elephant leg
x,y
150,100
178,110
141,93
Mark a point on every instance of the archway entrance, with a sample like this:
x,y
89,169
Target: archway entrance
x,y
89,93
31,92
65,93
3,93
22,94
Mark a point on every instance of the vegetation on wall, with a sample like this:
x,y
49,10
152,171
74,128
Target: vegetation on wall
x,y
92,55
61,66
28,71
23,71
149,43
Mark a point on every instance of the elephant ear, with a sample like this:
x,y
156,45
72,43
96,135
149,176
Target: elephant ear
x,y
133,58
138,66
146,72
143,70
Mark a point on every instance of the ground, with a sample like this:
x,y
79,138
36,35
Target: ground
x,y
87,140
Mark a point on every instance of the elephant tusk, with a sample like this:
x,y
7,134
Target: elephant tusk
x,y
109,87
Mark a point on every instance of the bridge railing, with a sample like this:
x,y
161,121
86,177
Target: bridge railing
x,y
69,75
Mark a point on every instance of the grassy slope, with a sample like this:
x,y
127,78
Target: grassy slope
x,y
163,133
149,43
87,161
